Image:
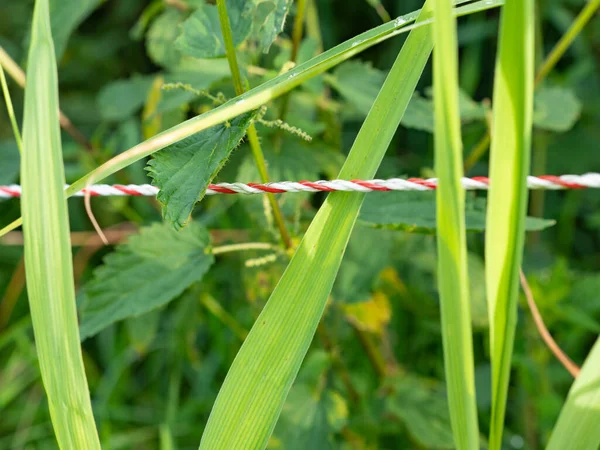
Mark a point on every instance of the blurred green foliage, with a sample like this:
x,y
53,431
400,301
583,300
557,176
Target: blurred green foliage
x,y
157,353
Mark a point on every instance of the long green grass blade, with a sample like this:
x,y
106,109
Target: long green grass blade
x,y
258,382
48,259
509,167
453,280
578,423
263,94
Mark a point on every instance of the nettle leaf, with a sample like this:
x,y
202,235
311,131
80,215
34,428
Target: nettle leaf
x,y
556,109
422,409
147,272
184,170
309,419
415,212
269,20
161,37
201,35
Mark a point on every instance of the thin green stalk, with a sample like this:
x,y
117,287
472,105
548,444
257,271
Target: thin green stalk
x,y
48,258
220,313
507,200
10,110
453,280
298,26
262,94
296,38
567,39
257,153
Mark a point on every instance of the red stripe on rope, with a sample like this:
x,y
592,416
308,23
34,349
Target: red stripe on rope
x,y
265,188
126,190
557,180
371,186
10,191
422,182
220,189
316,186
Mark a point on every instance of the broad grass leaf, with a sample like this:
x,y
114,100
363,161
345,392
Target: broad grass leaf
x,y
577,425
253,393
201,35
184,170
309,419
509,162
147,272
415,212
47,247
9,155
555,108
422,409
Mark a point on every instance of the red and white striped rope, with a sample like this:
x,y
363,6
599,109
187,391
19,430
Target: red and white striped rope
x,y
548,182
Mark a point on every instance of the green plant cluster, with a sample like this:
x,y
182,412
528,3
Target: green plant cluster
x,y
350,358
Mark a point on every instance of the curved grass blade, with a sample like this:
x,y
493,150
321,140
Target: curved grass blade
x,y
580,416
48,258
262,94
251,398
509,162
453,279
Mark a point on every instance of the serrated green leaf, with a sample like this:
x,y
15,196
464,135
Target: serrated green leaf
x,y
9,155
555,108
184,170
577,425
309,419
160,39
201,35
267,29
147,272
414,211
423,410
123,98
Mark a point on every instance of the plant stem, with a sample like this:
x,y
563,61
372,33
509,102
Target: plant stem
x,y
565,42
242,247
259,157
567,362
11,111
298,25
220,313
